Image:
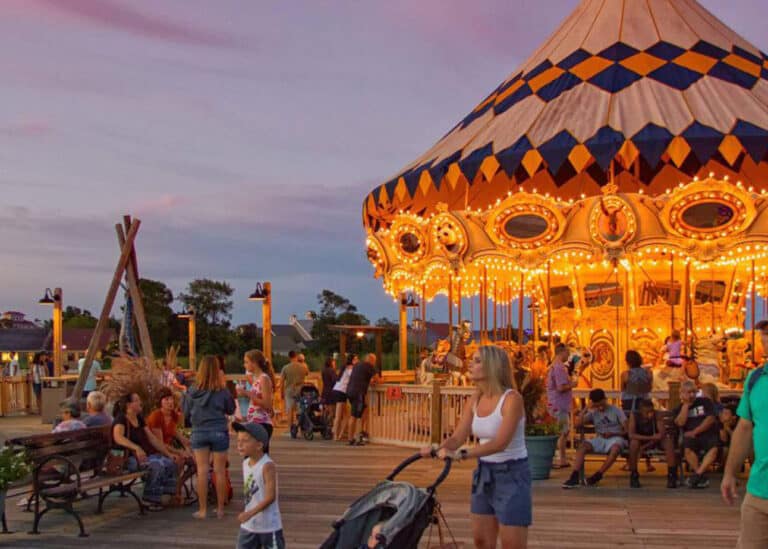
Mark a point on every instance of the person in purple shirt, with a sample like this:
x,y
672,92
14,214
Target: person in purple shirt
x,y
560,397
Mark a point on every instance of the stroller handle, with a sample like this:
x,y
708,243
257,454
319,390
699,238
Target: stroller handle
x,y
416,457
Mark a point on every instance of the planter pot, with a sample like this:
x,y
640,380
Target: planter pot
x,y
541,451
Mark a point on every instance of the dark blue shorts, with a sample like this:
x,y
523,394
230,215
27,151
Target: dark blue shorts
x,y
357,405
504,491
215,441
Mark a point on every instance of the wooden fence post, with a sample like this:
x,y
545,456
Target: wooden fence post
x,y
437,414
674,395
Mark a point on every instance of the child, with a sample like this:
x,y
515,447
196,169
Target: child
x,y
260,524
373,539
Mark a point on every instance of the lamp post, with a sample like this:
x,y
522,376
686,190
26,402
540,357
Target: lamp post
x,y
263,293
55,298
191,317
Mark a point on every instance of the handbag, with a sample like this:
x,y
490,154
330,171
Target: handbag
x,y
117,457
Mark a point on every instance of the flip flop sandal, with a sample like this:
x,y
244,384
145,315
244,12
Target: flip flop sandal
x,y
561,465
152,507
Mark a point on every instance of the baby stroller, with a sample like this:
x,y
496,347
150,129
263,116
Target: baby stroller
x,y
401,510
310,418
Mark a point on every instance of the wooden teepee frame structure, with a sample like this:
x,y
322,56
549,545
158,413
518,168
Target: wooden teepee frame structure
x,y
126,266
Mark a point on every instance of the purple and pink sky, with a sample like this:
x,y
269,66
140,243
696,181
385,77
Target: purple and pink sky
x,y
244,133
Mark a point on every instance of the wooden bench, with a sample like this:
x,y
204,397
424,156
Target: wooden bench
x,y
65,466
670,431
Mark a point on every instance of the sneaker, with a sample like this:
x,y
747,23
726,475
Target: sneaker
x,y
572,482
691,481
634,480
672,481
595,479
701,482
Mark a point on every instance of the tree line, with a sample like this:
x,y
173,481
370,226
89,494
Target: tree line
x,y
213,304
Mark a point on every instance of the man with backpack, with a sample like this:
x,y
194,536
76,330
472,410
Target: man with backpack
x,y
751,433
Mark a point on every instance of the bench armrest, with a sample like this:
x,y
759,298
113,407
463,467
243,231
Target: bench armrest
x,y
71,469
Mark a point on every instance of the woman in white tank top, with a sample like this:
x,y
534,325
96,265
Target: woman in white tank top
x,y
501,485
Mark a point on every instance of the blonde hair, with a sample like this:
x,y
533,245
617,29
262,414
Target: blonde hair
x,y
498,373
208,377
97,400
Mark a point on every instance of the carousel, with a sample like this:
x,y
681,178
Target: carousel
x,y
613,188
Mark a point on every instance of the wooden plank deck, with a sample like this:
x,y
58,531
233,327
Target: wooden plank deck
x,y
319,479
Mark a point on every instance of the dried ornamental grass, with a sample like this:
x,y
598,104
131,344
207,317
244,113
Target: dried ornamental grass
x,y
133,375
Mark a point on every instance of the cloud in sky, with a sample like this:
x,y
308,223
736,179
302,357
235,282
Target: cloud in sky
x,y
244,134
125,17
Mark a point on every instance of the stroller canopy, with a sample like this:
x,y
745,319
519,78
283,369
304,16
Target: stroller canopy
x,y
394,502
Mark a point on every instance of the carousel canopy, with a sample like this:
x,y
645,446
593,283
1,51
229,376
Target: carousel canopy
x,y
642,94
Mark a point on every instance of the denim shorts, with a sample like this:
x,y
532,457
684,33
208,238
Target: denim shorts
x,y
215,441
504,491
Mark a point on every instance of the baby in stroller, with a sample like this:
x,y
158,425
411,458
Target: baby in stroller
x,y
310,418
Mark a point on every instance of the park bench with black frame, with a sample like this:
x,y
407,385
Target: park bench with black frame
x,y
65,466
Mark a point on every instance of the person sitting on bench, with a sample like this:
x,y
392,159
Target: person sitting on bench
x,y
696,417
647,432
610,427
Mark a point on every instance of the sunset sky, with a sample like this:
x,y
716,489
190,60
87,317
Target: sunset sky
x,y
244,133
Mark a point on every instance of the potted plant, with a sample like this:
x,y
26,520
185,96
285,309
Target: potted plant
x,y
13,467
541,429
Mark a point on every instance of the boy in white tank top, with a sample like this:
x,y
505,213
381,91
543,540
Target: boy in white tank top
x,y
261,526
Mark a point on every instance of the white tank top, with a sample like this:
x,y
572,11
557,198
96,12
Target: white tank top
x,y
253,489
485,429
343,383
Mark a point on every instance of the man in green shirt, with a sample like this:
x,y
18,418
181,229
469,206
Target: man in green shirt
x,y
293,374
751,432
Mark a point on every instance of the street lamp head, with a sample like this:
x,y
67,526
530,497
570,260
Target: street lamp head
x,y
360,334
186,313
260,293
49,298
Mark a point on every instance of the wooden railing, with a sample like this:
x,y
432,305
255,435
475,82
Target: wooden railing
x,y
15,396
417,415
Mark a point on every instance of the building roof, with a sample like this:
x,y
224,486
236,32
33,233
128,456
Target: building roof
x,y
23,339
651,92
78,339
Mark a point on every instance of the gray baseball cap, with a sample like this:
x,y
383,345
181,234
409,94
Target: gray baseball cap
x,y
255,430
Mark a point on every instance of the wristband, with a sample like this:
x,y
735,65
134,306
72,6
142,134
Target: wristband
x,y
463,454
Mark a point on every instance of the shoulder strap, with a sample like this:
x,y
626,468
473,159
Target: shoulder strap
x,y
755,376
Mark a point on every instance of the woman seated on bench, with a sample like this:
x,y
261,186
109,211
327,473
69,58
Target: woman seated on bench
x,y
147,452
164,423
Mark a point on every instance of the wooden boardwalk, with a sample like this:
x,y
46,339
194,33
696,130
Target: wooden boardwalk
x,y
319,479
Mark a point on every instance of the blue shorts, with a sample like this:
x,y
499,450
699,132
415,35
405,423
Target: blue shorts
x,y
215,441
504,491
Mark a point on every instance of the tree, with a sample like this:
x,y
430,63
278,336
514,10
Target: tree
x,y
157,299
388,338
74,317
210,300
334,309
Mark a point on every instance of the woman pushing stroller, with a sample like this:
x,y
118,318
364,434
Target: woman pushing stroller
x,y
501,485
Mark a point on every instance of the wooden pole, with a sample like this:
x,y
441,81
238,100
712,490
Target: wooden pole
x,y
402,335
686,299
131,275
58,332
424,314
343,346
122,262
192,329
266,319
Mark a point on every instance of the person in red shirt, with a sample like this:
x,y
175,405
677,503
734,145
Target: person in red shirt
x,y
164,424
